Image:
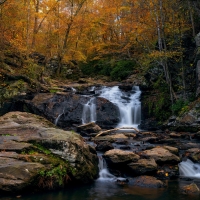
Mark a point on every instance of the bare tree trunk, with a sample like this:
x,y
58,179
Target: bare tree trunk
x,y
191,18
28,27
74,13
35,23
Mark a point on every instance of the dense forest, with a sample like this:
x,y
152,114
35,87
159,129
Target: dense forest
x,y
116,38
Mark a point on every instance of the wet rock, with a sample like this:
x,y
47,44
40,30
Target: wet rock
x,y
173,150
142,166
125,147
88,128
190,189
167,141
130,135
150,139
122,181
161,155
148,182
187,122
175,135
197,135
116,157
126,87
16,175
121,141
149,123
147,134
167,171
108,115
110,138
104,146
193,154
189,145
65,109
28,134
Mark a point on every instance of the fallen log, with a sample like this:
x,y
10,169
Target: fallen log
x,y
115,129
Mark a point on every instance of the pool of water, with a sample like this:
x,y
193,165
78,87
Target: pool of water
x,y
107,190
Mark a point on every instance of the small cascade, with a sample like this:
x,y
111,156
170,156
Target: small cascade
x,y
57,119
189,169
73,90
104,174
92,89
89,111
128,103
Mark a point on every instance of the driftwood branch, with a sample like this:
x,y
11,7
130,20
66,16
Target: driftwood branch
x,y
115,129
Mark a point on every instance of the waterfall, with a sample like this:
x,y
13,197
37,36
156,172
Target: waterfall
x,y
128,103
57,119
89,111
189,169
104,174
73,90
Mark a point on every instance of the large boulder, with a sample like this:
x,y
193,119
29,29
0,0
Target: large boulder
x,y
88,128
142,166
186,122
193,154
16,175
104,146
117,157
66,109
35,153
190,189
108,115
161,155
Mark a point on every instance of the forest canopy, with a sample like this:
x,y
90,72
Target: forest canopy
x,y
85,30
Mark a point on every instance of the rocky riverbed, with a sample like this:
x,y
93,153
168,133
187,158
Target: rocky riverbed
x,y
37,155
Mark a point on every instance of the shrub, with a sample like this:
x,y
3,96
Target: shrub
x,y
117,70
180,106
122,69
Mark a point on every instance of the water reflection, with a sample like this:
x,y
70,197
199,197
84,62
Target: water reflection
x,y
107,190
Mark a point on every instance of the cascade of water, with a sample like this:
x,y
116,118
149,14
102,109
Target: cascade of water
x,y
57,119
104,174
89,111
128,103
92,88
190,169
73,90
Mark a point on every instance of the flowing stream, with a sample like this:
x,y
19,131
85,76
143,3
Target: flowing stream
x,y
106,186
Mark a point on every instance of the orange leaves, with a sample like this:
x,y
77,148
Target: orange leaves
x,y
91,27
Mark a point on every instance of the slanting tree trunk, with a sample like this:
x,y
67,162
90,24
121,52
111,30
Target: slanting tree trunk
x,y
37,26
162,45
191,18
75,9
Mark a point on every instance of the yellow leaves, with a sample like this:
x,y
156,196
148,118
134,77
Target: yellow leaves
x,y
163,55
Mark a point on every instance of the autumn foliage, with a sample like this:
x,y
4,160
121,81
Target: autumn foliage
x,y
90,29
